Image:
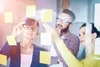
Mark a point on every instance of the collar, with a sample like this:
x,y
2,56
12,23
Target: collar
x,y
66,35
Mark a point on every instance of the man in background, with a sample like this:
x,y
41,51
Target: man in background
x,y
64,23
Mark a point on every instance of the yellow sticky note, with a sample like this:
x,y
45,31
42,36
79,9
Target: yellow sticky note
x,y
30,11
45,57
8,17
11,40
3,59
46,15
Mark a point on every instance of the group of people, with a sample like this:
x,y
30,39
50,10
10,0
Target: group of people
x,y
66,44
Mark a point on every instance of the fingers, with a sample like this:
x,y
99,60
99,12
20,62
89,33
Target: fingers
x,y
18,29
19,25
50,29
58,31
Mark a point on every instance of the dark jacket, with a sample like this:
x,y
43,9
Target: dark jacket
x,y
14,53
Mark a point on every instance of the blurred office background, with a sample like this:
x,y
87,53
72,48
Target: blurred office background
x,y
84,10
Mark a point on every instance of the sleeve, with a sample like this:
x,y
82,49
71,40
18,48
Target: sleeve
x,y
73,45
6,50
66,54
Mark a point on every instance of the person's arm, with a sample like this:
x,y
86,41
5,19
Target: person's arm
x,y
15,32
72,43
68,57
6,50
66,54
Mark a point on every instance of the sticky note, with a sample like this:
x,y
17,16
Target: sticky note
x,y
11,40
45,57
97,46
46,39
97,14
46,15
8,17
3,59
30,11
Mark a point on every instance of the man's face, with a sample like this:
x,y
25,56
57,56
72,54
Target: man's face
x,y
63,22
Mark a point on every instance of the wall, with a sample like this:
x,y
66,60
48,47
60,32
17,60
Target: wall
x,y
92,8
80,8
47,4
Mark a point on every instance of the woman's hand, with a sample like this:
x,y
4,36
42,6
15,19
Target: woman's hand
x,y
17,30
51,31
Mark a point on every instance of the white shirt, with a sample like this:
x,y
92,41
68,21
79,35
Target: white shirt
x,y
26,60
53,51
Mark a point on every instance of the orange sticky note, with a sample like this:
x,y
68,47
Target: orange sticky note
x,y
46,15
8,17
45,57
11,40
30,11
3,59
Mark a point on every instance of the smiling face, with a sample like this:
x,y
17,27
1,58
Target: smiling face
x,y
86,37
63,22
30,30
82,35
